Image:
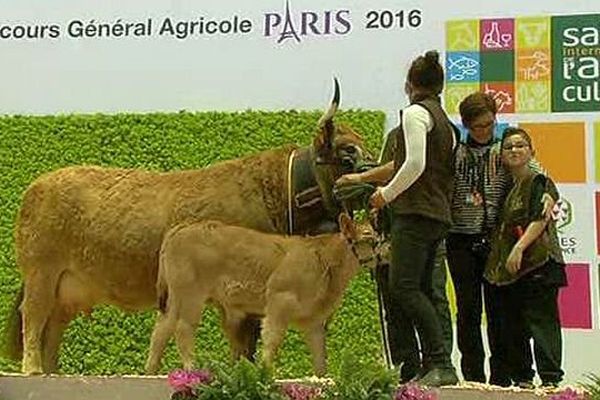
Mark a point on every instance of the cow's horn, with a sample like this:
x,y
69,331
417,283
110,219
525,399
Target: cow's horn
x,y
334,105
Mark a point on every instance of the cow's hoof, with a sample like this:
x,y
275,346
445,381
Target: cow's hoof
x,y
32,371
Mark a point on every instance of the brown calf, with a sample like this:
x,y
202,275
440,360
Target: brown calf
x,y
285,279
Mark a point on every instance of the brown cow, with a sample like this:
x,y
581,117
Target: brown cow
x,y
89,235
286,279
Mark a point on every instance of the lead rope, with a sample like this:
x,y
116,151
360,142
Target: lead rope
x,y
290,189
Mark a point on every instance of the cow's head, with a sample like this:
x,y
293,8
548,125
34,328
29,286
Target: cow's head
x,y
337,146
337,150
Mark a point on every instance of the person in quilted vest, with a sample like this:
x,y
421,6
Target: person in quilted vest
x,y
526,260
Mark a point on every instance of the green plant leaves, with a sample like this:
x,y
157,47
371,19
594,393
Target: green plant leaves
x,y
592,386
114,342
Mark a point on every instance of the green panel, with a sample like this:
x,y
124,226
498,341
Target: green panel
x,y
497,66
576,63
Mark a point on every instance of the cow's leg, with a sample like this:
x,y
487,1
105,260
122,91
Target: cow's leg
x,y
72,296
249,333
38,303
315,339
163,330
190,313
57,323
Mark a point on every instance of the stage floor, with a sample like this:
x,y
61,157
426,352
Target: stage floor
x,y
61,387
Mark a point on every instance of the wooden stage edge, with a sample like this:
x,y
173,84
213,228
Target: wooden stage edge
x,y
65,387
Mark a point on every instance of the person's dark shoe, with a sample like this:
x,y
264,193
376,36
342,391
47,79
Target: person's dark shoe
x,y
550,384
500,382
525,385
439,377
474,378
408,373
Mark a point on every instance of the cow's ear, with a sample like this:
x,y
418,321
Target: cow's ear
x,y
347,226
323,142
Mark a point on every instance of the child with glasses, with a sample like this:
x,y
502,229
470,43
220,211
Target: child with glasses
x,y
527,260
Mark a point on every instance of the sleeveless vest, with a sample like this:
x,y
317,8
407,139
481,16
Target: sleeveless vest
x,y
515,217
431,194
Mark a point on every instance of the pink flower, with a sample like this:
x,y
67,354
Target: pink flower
x,y
567,394
181,380
413,391
296,391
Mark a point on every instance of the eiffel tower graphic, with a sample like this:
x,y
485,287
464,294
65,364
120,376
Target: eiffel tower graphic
x,y
288,31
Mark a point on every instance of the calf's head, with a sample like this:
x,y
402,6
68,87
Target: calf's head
x,y
361,238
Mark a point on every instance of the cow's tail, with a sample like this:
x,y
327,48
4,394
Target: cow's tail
x,y
163,297
13,336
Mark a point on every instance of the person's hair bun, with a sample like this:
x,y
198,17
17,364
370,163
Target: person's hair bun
x,y
426,73
432,56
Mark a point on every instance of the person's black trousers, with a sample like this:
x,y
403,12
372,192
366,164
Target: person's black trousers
x,y
466,261
399,331
533,314
414,241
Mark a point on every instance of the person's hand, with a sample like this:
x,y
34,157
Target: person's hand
x,y
513,262
377,201
548,203
348,178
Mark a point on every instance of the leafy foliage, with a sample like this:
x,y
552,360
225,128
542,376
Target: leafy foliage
x,y
243,381
592,386
358,380
361,379
111,341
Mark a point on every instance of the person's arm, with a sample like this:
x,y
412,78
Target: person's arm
x,y
380,174
416,123
535,228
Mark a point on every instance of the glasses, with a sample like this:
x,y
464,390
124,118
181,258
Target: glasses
x,y
518,146
482,126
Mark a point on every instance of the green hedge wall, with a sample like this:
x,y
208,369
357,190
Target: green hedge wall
x,y
113,342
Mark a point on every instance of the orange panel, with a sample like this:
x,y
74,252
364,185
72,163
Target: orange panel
x,y
560,147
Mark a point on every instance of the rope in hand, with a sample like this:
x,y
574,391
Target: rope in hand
x,y
354,196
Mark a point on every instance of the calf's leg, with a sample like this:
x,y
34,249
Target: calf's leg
x,y
163,330
190,313
278,313
273,333
314,335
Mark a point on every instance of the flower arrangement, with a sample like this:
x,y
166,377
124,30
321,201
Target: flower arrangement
x,y
567,394
299,391
412,391
244,380
356,381
184,383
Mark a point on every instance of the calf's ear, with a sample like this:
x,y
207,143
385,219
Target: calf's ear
x,y
347,226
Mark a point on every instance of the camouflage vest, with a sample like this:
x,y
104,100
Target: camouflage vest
x,y
515,217
431,194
